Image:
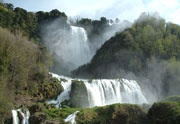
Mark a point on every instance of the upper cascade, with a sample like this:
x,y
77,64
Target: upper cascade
x,y
99,92
79,47
70,48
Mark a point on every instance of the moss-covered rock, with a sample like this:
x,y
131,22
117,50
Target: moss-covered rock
x,y
50,122
113,114
59,114
51,89
37,118
165,113
39,107
78,96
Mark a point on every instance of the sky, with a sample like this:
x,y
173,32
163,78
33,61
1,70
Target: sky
x,y
94,9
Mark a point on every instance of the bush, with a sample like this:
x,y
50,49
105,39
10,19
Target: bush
x,y
165,113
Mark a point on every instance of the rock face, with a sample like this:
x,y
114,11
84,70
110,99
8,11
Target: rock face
x,y
78,96
165,113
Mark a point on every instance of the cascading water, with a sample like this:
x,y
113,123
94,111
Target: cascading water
x,y
69,46
65,95
80,52
15,117
71,118
103,92
25,116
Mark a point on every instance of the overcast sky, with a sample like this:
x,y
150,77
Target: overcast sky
x,y
123,9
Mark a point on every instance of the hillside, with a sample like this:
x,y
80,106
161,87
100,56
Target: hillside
x,y
148,52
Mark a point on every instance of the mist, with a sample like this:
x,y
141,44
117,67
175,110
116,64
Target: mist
x,y
67,44
73,45
70,46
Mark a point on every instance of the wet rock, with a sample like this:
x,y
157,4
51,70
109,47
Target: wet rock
x,y
37,118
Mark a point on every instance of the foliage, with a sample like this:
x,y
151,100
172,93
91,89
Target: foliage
x,y
172,99
150,44
28,22
50,89
59,114
165,113
23,66
113,114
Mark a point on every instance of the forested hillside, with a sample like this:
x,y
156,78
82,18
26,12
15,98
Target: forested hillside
x,y
29,23
24,59
149,49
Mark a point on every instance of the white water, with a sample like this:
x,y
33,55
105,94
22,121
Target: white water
x,y
65,94
80,52
71,118
25,116
15,117
70,47
105,91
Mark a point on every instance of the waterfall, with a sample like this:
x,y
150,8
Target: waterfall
x,y
70,48
65,95
15,117
71,118
25,116
80,52
102,92
105,92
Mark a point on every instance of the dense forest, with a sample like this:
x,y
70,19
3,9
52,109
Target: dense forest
x,y
24,59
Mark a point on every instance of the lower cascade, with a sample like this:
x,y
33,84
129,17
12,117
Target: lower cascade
x,y
98,92
71,118
24,116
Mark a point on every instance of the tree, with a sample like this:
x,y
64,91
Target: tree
x,y
9,6
104,20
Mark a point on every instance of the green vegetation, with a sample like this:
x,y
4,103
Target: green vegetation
x,y
149,50
165,113
172,99
25,63
160,113
28,23
23,67
50,89
24,60
112,114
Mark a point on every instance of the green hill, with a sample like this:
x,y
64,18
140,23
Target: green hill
x,y
149,50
